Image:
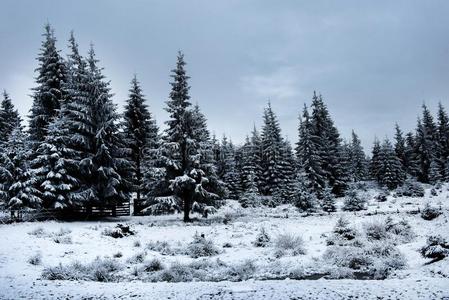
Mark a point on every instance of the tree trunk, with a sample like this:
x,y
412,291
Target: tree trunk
x,y
186,202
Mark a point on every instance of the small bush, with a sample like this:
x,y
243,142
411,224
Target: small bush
x,y
35,259
429,212
176,273
118,231
98,270
262,238
136,244
375,231
153,265
163,248
288,244
137,258
381,197
250,200
227,245
436,248
354,201
38,231
242,271
410,188
342,233
401,230
200,246
62,239
118,255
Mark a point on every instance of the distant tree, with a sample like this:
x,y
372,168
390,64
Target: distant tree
x,y
376,163
9,118
140,133
391,172
442,150
358,169
328,201
354,201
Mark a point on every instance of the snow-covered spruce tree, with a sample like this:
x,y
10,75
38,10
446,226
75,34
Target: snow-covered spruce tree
x,y
412,163
231,176
425,144
141,136
55,160
248,166
271,152
304,198
179,149
309,161
100,156
391,172
354,201
376,163
256,153
443,142
328,200
213,185
48,94
17,183
400,148
9,118
329,145
285,190
358,170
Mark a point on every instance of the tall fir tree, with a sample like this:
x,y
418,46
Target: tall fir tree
x,y
307,154
329,145
48,95
442,150
141,136
391,172
358,170
376,162
9,118
180,149
271,152
231,175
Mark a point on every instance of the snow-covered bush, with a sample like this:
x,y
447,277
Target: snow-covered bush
x,y
354,201
262,238
200,246
242,271
153,265
35,259
163,248
177,272
410,188
436,248
38,232
328,201
62,239
375,230
382,196
250,200
117,255
118,231
137,258
429,212
136,243
402,231
342,233
203,209
98,270
288,244
305,200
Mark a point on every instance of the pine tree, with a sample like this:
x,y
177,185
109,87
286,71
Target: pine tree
x,y
329,145
354,201
304,198
55,159
391,172
358,169
17,183
288,173
141,135
307,154
376,163
400,147
180,150
271,152
443,143
48,94
231,176
328,201
424,150
9,118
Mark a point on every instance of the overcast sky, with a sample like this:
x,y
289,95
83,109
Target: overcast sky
x,y
374,63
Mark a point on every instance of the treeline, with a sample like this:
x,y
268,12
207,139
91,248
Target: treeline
x,y
78,151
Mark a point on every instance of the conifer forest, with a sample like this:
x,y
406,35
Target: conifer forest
x,y
107,199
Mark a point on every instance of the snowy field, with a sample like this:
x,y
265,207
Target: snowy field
x,y
156,251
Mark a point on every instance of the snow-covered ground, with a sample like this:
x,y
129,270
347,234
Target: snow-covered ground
x,y
233,231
